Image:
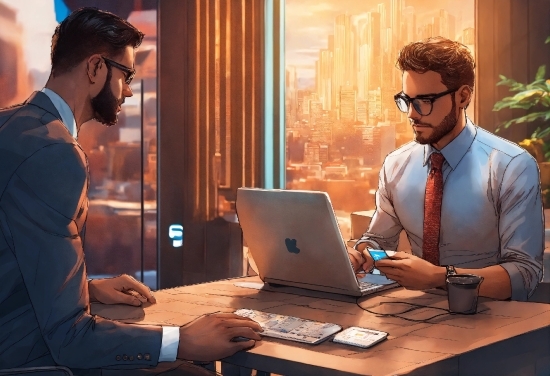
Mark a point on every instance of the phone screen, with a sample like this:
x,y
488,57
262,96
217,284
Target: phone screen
x,y
379,254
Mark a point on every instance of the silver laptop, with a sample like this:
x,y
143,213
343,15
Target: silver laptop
x,y
294,239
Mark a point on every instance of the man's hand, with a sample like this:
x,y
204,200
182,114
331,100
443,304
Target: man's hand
x,y
360,259
412,272
122,289
209,337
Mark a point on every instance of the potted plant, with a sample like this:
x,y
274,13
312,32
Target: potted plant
x,y
534,96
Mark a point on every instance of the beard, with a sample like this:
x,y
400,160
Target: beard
x,y
447,125
105,104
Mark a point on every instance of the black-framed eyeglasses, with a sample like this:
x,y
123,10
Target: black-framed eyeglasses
x,y
423,104
130,73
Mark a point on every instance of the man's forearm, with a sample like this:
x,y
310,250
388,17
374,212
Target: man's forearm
x,y
496,281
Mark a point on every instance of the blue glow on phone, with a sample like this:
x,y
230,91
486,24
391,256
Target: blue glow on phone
x,y
377,254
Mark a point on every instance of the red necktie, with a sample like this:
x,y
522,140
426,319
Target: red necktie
x,y
432,210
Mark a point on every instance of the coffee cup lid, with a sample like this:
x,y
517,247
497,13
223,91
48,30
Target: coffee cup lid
x,y
464,279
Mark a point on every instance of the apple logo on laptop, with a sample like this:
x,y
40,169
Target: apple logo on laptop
x,y
291,245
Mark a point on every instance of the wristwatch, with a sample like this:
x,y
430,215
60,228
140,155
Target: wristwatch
x,y
450,271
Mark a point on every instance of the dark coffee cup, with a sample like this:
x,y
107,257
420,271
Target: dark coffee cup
x,y
463,291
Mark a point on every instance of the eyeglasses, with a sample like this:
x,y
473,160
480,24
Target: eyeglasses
x,y
130,73
423,104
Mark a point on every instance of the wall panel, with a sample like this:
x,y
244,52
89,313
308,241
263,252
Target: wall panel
x,y
510,41
210,104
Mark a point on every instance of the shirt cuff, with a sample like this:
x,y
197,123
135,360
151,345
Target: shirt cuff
x,y
520,292
170,341
370,243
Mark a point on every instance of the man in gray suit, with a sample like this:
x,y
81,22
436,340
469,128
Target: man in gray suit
x,y
45,295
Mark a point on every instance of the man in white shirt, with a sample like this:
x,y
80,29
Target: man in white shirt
x,y
469,201
45,296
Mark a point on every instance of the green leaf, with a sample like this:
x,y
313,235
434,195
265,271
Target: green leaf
x,y
529,118
506,102
505,81
538,84
508,123
541,134
547,40
525,100
541,72
527,97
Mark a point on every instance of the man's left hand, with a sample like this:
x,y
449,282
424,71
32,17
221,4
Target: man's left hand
x,y
123,289
412,272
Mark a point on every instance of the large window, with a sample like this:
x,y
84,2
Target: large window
x,y
121,227
341,119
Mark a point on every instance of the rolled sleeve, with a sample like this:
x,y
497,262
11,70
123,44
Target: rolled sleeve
x,y
521,226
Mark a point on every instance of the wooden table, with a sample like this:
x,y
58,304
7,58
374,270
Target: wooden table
x,y
504,338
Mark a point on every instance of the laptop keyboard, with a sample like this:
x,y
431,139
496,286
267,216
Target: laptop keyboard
x,y
367,286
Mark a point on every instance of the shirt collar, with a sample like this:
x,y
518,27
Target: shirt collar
x,y
64,110
455,150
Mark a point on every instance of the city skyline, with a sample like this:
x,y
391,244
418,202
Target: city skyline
x,y
310,25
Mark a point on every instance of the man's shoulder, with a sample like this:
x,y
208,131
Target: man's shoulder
x,y
27,112
25,122
496,144
26,131
8,112
404,152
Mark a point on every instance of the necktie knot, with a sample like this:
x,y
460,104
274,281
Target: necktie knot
x,y
437,160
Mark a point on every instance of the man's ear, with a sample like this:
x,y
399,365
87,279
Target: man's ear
x,y
94,65
465,93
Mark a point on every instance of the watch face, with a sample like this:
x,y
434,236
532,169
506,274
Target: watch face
x,y
451,270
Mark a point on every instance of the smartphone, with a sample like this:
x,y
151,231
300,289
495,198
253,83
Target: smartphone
x,y
360,337
379,254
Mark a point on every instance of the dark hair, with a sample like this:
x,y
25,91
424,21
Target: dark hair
x,y
88,31
452,60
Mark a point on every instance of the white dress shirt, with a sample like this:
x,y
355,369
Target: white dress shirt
x,y
491,212
170,334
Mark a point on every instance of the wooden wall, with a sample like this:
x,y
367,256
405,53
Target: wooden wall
x,y
210,122
510,41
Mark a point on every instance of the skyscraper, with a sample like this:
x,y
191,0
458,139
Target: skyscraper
x,y
324,78
348,103
291,86
363,112
396,12
468,36
372,146
409,18
363,71
444,25
375,59
342,55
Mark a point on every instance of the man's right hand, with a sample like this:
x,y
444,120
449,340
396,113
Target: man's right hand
x,y
208,338
360,259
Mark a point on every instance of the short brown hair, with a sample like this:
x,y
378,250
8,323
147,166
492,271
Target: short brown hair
x,y
452,60
88,31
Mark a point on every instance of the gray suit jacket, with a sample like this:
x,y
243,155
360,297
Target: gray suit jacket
x,y
44,302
